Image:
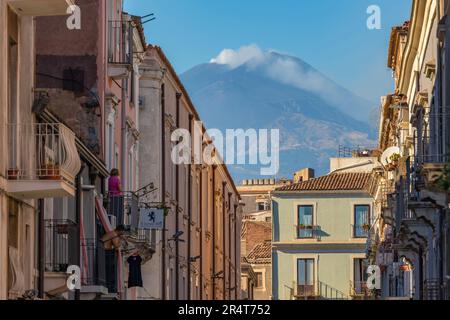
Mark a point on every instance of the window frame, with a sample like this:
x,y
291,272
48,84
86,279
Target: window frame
x,y
354,233
298,221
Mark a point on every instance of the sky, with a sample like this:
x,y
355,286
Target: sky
x,y
330,35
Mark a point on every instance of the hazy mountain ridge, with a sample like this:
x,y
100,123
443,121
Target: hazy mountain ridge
x,y
250,95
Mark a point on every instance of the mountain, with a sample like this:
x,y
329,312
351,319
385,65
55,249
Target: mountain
x,y
251,88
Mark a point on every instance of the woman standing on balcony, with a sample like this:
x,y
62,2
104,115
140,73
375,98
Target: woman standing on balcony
x,y
114,184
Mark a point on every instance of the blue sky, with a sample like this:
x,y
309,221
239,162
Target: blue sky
x,y
331,35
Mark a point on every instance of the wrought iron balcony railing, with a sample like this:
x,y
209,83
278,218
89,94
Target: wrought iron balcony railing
x,y
120,50
359,288
307,232
42,151
61,245
93,263
123,209
360,231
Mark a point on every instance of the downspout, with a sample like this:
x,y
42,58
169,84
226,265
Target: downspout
x,y
235,254
190,216
163,191
214,232
42,248
177,208
78,213
123,137
201,232
224,185
229,245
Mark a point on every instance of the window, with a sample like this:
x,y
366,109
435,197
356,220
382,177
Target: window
x,y
305,222
360,275
259,280
261,206
305,277
361,221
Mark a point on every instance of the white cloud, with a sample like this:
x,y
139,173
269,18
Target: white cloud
x,y
236,58
284,69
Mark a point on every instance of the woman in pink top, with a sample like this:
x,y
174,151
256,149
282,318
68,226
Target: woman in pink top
x,y
114,184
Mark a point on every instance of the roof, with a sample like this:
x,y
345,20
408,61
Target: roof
x,y
245,224
261,253
334,182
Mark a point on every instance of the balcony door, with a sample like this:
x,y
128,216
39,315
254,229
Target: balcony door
x,y
305,222
360,276
362,221
305,278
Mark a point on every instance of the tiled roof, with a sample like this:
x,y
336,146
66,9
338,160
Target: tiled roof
x,y
333,182
261,253
245,224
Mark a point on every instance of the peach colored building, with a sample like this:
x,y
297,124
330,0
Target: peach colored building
x,y
202,200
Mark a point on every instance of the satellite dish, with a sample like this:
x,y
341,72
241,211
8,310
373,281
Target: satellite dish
x,y
388,153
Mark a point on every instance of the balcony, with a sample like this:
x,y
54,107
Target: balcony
x,y
120,50
360,231
306,292
359,290
43,161
60,245
60,253
432,289
305,232
41,7
94,275
123,210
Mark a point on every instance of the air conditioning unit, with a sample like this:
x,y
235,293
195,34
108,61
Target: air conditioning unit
x,y
113,221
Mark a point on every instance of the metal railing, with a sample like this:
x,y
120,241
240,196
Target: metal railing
x,y
432,289
359,288
329,293
308,232
42,151
60,245
356,151
93,263
124,208
360,231
305,291
120,50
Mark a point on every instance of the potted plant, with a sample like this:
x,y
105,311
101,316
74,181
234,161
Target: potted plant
x,y
13,174
50,171
301,226
394,159
366,227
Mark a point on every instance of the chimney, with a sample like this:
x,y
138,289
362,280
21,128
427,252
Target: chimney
x,y
303,175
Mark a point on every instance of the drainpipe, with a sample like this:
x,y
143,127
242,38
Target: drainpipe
x,y
190,215
214,232
78,213
123,137
201,231
224,185
41,248
177,199
235,254
163,191
229,245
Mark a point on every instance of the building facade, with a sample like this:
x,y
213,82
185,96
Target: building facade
x,y
410,241
320,229
78,102
198,254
